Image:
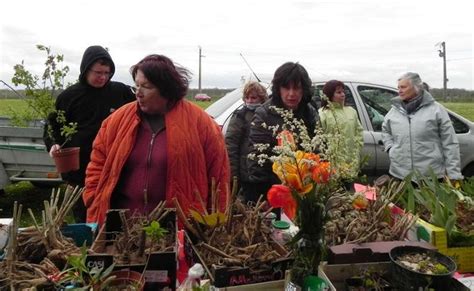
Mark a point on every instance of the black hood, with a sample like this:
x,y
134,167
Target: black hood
x,y
92,54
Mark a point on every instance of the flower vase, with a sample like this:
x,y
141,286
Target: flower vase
x,y
308,242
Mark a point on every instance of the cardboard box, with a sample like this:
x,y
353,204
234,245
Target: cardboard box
x,y
277,285
226,277
335,275
161,270
463,256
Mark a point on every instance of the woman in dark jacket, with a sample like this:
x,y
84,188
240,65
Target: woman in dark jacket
x,y
237,134
291,90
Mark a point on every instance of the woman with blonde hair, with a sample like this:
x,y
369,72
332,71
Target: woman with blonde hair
x,y
237,134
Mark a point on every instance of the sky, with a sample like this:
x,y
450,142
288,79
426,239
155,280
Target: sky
x,y
359,40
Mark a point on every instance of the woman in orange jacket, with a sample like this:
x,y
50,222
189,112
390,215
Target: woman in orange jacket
x,y
157,148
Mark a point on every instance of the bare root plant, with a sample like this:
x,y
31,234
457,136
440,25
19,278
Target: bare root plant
x,y
36,252
242,240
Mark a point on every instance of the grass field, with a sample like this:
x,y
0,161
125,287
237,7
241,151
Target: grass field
x,y
17,105
7,105
464,109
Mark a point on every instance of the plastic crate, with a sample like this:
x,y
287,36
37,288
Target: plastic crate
x,y
81,233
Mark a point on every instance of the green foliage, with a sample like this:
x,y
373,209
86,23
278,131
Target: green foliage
x,y
83,278
68,129
154,231
440,202
453,94
39,90
468,188
434,196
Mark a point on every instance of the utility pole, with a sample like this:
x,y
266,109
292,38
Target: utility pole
x,y
442,53
200,56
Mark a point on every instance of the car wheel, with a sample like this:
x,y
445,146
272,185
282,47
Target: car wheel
x,y
468,171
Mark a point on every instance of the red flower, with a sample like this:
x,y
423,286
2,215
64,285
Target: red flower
x,y
285,137
280,196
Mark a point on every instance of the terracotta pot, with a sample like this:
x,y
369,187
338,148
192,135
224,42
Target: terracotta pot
x,y
66,159
127,278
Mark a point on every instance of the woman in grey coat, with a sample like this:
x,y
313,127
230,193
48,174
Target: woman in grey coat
x,y
418,134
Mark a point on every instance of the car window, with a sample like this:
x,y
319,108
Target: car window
x,y
377,102
459,126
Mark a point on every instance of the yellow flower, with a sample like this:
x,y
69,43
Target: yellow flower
x,y
295,172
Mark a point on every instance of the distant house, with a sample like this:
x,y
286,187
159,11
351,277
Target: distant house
x,y
202,97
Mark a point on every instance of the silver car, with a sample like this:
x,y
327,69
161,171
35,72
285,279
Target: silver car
x,y
371,102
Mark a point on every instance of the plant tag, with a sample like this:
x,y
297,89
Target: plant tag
x,y
160,276
292,287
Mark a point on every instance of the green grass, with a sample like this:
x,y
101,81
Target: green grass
x,y
202,104
7,105
466,109
27,195
17,105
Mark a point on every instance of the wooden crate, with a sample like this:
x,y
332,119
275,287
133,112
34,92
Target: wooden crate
x,y
237,278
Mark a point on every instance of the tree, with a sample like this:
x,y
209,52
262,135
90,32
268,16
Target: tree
x,y
39,90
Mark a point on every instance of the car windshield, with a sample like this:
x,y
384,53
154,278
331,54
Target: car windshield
x,y
218,107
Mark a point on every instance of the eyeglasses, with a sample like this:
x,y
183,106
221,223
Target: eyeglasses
x,y
100,74
144,89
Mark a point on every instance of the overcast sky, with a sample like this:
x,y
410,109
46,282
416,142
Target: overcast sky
x,y
365,40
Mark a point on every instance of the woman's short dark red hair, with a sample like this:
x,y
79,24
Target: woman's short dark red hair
x,y
171,79
329,89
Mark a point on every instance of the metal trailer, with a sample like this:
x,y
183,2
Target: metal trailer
x,y
23,157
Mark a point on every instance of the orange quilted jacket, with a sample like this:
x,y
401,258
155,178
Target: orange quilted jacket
x,y
196,154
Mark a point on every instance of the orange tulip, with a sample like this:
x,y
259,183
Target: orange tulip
x,y
322,173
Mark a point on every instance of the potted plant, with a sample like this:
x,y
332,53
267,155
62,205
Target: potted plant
x,y
415,267
126,280
40,95
79,277
66,159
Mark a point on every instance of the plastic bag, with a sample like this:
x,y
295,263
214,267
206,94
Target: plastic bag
x,y
192,281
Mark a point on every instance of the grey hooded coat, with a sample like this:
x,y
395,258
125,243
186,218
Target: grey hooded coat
x,y
422,140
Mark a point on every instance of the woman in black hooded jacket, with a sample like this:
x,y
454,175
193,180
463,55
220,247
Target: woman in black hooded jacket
x,y
291,90
88,102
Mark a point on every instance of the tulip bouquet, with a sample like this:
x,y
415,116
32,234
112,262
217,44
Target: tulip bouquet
x,y
308,180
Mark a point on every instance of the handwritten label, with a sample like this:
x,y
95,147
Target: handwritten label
x,y
160,276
